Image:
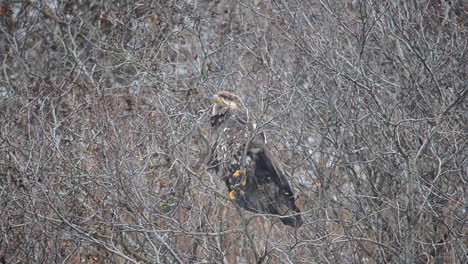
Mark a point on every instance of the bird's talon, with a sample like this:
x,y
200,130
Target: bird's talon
x,y
232,195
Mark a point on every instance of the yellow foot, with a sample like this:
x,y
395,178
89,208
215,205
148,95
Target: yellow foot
x,y
232,195
236,173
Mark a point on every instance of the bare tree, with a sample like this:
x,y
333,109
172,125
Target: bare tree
x,y
104,108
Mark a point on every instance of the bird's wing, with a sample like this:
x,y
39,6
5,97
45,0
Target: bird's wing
x,y
267,167
272,184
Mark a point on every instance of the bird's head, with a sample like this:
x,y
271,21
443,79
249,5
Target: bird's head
x,y
226,101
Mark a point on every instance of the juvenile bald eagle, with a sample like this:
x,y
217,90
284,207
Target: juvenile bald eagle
x,y
253,176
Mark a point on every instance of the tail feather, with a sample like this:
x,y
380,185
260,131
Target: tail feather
x,y
294,221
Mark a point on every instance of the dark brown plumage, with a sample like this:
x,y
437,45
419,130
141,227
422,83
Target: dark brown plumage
x,y
253,176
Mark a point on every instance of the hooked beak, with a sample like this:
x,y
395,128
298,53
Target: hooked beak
x,y
217,99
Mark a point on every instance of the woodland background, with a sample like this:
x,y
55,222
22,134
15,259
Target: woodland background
x,y
104,106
